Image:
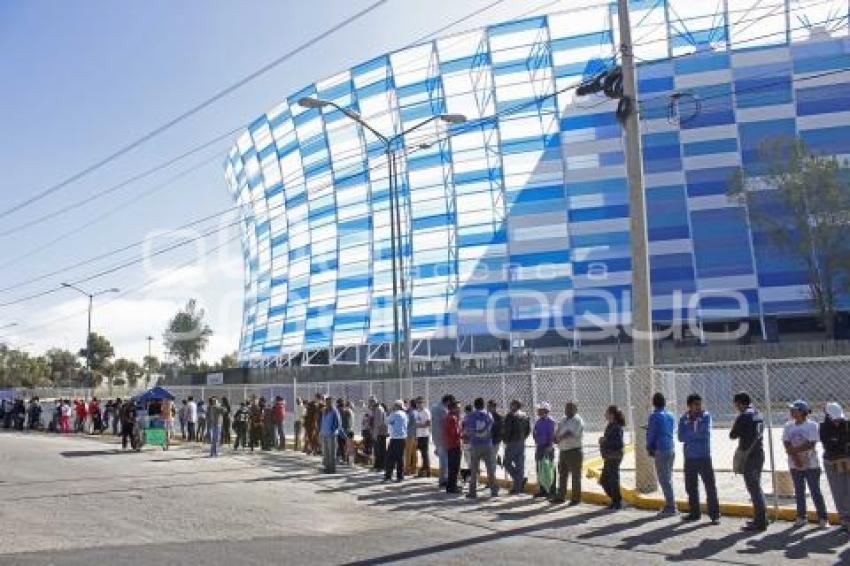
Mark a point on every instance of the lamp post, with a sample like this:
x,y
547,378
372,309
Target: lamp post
x,y
91,297
396,241
150,340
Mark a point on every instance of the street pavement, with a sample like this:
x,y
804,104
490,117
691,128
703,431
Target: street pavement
x,y
73,500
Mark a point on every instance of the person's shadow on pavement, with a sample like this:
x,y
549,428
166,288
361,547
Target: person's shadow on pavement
x,y
709,547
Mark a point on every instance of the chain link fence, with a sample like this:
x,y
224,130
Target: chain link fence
x,y
772,383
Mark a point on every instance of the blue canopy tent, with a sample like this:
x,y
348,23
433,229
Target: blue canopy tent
x,y
155,393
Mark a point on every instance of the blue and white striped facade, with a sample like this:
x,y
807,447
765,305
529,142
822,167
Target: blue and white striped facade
x,y
521,214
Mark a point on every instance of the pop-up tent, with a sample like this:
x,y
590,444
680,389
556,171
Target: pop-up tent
x,y
155,393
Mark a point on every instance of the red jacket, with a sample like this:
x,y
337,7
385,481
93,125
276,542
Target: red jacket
x,y
81,410
451,431
279,412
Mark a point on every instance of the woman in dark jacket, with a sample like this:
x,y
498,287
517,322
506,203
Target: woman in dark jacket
x,y
611,446
835,437
225,422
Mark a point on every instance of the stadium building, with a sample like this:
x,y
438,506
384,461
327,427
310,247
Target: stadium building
x,y
514,225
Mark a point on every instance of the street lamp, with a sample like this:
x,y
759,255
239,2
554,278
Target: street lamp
x,y
91,297
395,214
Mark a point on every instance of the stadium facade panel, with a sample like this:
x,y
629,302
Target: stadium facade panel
x,y
516,223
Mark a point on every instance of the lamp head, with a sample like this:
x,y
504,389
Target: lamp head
x,y
453,118
311,102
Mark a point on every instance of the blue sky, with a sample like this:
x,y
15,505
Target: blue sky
x,y
83,78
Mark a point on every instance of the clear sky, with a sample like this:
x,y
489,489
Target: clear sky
x,y
83,78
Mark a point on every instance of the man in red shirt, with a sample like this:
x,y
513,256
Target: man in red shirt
x,y
452,440
279,415
81,415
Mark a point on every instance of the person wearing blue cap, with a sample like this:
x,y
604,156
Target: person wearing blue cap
x,y
800,437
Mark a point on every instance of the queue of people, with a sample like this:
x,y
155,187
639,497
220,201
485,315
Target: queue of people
x,y
397,441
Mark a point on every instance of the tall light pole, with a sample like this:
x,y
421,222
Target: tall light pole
x,y
150,340
396,241
645,479
91,297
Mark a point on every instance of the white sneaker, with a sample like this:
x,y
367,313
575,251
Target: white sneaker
x,y
823,523
801,522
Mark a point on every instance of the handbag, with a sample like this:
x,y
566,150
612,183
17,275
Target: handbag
x,y
546,474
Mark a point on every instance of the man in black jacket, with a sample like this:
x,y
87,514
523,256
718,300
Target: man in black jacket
x,y
748,429
515,430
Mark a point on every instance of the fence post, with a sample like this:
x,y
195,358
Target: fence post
x,y
533,384
627,379
769,410
504,393
294,391
611,380
573,392
428,390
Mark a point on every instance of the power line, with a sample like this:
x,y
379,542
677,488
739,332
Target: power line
x,y
194,110
106,214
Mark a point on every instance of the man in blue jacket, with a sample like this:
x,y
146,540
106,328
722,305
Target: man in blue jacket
x,y
695,434
659,444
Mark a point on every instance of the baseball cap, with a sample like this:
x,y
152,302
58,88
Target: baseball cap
x,y
544,406
799,405
834,411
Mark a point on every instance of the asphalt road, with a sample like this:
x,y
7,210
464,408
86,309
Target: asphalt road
x,y
81,501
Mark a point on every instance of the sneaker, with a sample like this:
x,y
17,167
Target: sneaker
x,y
471,496
801,522
540,494
823,523
666,512
715,521
557,501
573,503
455,490
752,527
690,518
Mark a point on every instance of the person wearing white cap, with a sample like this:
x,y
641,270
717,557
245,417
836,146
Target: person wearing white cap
x,y
800,437
544,442
835,437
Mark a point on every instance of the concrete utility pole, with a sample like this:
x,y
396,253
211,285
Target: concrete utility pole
x,y
645,480
150,340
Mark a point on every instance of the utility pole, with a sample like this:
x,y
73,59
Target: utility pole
x,y
645,480
148,364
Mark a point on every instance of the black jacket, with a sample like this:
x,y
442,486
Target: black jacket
x,y
747,429
835,437
516,427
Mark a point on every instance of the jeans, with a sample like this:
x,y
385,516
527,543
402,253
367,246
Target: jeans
x,y
547,452
190,430
297,435
126,435
281,436
329,454
569,463
839,484
610,480
241,436
423,443
380,446
752,480
515,463
443,458
664,471
696,468
200,435
453,456
215,435
395,459
485,453
812,478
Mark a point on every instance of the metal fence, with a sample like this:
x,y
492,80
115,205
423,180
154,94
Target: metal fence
x,y
773,384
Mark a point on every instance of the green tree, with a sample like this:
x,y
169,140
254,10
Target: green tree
x,y
151,365
801,202
99,351
64,366
130,371
20,369
228,361
187,334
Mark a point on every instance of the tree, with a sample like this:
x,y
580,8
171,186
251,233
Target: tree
x,y
20,369
129,370
187,334
99,352
64,365
228,361
806,216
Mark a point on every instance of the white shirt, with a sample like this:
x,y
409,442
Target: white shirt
x,y
799,434
575,426
191,412
422,417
